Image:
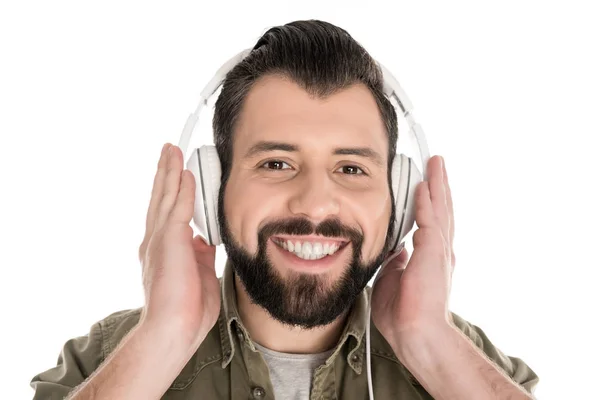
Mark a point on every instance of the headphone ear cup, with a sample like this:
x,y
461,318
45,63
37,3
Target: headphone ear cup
x,y
405,179
205,165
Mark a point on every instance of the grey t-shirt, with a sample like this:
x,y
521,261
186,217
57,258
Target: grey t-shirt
x,y
291,374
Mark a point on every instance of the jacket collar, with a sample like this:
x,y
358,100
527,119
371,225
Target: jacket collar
x,y
229,320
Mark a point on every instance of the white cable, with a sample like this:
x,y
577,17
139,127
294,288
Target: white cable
x,y
368,325
395,92
369,379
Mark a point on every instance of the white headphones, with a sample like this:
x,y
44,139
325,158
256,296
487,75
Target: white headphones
x,y
204,162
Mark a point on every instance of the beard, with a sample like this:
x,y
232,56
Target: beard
x,y
301,300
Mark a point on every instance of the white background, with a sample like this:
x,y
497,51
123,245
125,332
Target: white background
x,y
506,91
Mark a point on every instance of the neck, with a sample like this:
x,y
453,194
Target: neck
x,y
274,335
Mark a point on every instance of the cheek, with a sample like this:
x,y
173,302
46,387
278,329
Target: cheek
x,y
248,205
373,213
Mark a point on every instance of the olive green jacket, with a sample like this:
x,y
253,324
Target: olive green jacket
x,y
228,366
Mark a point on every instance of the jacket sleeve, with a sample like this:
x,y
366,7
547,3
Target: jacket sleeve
x,y
79,358
514,367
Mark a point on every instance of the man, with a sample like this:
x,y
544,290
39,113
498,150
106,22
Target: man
x,y
305,138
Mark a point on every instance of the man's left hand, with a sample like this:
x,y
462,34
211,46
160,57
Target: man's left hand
x,y
411,296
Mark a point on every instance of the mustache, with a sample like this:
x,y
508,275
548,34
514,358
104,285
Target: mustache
x,y
331,227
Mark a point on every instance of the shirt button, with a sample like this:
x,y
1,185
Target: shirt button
x,y
258,392
354,357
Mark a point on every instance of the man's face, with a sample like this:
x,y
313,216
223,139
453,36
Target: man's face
x,y
307,204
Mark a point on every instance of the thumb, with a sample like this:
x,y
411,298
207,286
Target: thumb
x,y
205,253
398,259
394,264
199,242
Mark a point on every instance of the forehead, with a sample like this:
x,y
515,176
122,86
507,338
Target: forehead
x,y
278,109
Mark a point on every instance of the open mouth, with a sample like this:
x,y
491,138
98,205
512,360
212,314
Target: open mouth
x,y
310,249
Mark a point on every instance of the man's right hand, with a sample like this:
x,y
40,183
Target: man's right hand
x,y
182,292
182,296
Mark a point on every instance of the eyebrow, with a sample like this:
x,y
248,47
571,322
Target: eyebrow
x,y
365,152
266,146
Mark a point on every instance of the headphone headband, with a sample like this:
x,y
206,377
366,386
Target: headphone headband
x,y
391,88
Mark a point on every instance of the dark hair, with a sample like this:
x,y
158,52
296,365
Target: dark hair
x,y
318,56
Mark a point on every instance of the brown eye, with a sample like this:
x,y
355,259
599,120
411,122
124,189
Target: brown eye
x,y
275,165
351,170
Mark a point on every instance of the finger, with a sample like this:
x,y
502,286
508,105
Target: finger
x,y
172,183
183,210
437,190
450,210
157,188
398,259
395,265
155,197
424,213
449,203
200,244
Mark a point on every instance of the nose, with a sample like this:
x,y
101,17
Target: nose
x,y
314,196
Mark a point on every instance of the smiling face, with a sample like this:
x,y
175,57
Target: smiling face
x,y
307,204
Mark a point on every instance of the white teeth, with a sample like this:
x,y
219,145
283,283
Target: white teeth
x,y
308,250
318,248
333,248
